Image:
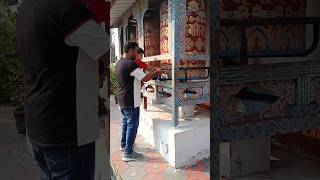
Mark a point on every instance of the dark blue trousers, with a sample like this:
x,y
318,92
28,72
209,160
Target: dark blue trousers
x,y
130,124
67,162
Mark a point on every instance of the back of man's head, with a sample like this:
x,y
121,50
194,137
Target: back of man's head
x,y
129,45
139,50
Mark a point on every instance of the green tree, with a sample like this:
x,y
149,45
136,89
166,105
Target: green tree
x,y
11,88
113,81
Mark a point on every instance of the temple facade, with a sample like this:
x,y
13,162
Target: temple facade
x,y
234,70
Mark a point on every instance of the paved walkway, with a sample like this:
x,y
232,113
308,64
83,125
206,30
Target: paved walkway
x,y
17,164
15,161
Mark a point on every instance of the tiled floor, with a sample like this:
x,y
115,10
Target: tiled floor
x,y
152,166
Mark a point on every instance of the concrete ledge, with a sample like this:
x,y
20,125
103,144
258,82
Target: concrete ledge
x,y
180,146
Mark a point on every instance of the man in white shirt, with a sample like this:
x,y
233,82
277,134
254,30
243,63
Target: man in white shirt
x,y
129,77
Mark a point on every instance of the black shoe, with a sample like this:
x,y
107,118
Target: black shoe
x,y
132,157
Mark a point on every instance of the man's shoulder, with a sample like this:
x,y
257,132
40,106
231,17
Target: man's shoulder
x,y
127,63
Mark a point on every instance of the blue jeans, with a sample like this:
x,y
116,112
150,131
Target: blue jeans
x,y
130,124
66,163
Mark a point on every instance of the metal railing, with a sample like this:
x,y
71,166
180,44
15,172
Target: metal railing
x,y
185,78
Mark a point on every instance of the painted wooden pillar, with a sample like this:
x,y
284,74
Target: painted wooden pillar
x,y
176,14
215,115
193,37
140,34
140,28
165,34
151,35
164,27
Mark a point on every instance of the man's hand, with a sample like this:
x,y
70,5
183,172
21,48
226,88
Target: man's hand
x,y
152,74
159,71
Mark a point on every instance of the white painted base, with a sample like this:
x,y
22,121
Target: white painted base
x,y
240,158
180,146
190,142
186,111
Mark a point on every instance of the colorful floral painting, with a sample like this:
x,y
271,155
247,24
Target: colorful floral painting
x,y
262,8
164,28
263,39
151,36
196,27
194,37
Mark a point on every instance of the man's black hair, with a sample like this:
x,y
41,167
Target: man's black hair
x,y
129,45
140,50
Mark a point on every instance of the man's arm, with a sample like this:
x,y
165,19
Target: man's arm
x,y
150,76
82,31
141,76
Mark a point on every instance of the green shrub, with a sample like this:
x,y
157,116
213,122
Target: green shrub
x,y
113,81
11,87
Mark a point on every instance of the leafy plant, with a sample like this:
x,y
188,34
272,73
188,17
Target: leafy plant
x,y
11,86
113,81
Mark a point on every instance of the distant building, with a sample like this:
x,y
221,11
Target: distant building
x,y
115,46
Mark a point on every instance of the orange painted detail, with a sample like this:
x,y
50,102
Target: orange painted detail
x,y
198,167
197,177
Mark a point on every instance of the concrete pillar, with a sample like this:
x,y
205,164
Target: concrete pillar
x,y
186,111
246,157
312,11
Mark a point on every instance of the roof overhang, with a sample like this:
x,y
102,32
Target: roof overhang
x,y
117,9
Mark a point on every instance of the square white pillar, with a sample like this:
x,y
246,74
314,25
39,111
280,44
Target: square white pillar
x,y
240,158
186,111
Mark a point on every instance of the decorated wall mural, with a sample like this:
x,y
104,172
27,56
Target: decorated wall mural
x,y
164,28
247,102
263,39
196,35
196,26
194,40
280,98
151,34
